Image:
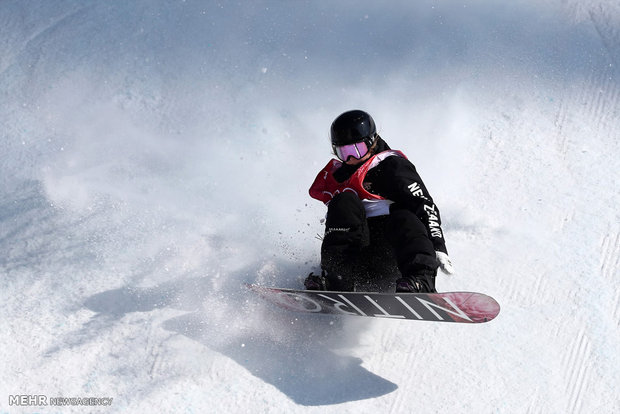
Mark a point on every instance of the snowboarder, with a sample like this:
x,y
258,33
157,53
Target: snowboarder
x,y
380,218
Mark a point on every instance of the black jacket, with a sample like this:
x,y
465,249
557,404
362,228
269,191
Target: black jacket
x,y
396,179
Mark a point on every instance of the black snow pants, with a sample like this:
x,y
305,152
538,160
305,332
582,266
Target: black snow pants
x,y
371,253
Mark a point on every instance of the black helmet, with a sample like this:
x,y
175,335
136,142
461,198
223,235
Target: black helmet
x,y
353,126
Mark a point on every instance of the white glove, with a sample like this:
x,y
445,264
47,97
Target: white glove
x,y
445,263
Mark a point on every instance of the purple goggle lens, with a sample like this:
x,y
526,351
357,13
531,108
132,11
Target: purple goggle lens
x,y
357,151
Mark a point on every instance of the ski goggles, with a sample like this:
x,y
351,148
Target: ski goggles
x,y
357,151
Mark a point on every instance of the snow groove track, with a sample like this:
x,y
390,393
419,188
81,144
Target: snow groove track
x,y
608,31
610,267
601,103
607,99
610,255
577,371
616,311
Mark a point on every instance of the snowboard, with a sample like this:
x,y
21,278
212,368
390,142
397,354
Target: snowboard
x,y
460,307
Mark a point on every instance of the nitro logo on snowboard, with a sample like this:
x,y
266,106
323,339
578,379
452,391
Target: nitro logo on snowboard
x,y
463,307
371,307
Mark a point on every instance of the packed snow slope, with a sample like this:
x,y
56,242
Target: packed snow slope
x,y
156,155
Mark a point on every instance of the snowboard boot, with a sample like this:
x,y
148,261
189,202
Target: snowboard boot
x,y
315,282
328,281
422,281
339,282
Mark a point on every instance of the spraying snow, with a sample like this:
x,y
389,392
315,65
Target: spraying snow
x,y
156,156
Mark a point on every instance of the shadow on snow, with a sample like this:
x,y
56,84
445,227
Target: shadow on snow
x,y
304,356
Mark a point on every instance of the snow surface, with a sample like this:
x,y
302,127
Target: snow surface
x,y
156,155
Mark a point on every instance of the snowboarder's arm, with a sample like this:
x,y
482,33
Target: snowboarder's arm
x,y
399,181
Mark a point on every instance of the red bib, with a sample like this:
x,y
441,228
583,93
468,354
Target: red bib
x,y
325,186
